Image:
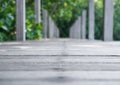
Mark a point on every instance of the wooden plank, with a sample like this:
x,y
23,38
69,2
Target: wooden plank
x,y
70,63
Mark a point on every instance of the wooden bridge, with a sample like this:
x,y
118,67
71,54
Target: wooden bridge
x,y
55,61
60,62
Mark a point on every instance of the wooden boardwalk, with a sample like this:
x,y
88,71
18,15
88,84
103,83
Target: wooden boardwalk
x,y
60,62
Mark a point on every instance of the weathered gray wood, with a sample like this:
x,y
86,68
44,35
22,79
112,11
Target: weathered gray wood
x,y
20,20
84,13
56,31
79,62
75,31
82,75
108,20
78,28
71,31
91,19
45,24
51,28
37,11
60,78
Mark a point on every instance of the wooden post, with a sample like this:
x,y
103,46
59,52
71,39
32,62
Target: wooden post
x,y
37,11
20,20
108,20
51,28
75,31
45,24
78,28
71,33
56,31
91,19
84,13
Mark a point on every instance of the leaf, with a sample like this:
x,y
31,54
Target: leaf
x,y
10,16
5,28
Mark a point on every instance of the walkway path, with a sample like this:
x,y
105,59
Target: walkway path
x,y
60,62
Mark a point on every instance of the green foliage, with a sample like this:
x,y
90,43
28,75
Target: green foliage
x,y
117,20
7,21
64,12
33,30
99,19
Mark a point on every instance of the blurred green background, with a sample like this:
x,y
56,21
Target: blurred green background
x,y
63,12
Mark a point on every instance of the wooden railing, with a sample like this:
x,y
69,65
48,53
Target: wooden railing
x,y
108,20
